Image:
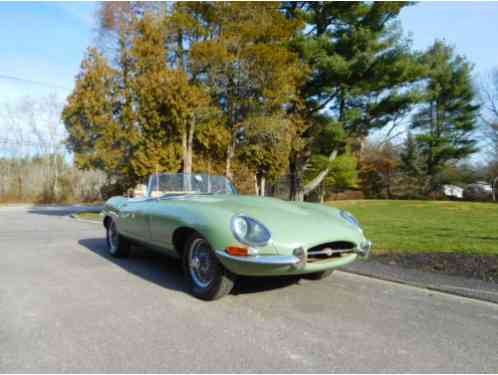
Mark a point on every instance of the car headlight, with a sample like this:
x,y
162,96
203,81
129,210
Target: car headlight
x,y
249,231
350,218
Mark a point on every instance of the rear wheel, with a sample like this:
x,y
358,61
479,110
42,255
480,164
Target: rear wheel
x,y
208,278
318,275
117,245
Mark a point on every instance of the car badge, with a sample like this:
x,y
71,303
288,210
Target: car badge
x,y
328,251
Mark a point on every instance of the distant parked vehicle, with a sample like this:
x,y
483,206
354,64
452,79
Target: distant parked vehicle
x,y
480,190
453,191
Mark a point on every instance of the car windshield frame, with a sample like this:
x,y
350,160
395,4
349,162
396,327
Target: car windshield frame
x,y
164,185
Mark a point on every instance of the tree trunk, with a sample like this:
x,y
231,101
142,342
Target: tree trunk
x,y
262,183
180,61
228,168
295,181
431,164
188,148
313,184
259,184
184,150
187,157
322,194
272,187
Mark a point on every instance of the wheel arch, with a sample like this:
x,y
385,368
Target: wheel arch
x,y
107,220
181,236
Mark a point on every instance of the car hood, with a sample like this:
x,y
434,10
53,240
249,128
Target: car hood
x,y
292,224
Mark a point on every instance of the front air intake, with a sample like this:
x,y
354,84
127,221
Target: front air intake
x,y
329,250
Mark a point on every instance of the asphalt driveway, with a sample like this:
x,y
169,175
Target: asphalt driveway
x,y
65,305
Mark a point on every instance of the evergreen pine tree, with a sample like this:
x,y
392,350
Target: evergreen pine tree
x,y
445,123
361,75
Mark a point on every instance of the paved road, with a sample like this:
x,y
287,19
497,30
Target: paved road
x,y
65,305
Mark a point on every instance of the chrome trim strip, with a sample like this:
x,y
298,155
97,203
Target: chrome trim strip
x,y
271,260
330,252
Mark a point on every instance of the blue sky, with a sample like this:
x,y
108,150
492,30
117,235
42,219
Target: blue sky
x,y
470,26
45,42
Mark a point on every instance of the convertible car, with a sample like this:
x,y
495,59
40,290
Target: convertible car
x,y
219,234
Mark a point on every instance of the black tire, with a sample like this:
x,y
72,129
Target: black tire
x,y
318,275
117,245
218,283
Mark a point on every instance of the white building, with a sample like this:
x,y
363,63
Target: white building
x,y
453,191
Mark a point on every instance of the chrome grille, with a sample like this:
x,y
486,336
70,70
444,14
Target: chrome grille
x,y
329,250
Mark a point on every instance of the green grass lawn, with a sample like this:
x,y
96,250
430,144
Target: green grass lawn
x,y
427,226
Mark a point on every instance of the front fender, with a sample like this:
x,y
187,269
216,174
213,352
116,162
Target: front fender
x,y
214,225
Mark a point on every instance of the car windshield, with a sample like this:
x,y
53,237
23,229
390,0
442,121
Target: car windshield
x,y
164,184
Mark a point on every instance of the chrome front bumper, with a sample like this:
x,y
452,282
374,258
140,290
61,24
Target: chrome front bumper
x,y
286,260
270,260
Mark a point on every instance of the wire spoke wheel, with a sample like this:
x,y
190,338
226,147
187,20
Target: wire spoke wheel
x,y
202,266
209,280
117,245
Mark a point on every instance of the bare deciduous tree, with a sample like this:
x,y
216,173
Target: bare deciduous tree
x,y
34,162
489,116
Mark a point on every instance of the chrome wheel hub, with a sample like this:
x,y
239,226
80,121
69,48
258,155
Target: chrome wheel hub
x,y
201,263
196,263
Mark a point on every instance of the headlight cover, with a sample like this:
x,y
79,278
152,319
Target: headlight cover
x,y
350,218
249,231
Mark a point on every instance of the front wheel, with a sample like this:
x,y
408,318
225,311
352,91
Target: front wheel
x,y
318,275
117,245
208,278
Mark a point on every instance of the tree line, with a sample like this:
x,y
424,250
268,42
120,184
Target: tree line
x,y
257,91
34,163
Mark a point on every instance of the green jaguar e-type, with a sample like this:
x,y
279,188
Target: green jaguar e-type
x,y
219,234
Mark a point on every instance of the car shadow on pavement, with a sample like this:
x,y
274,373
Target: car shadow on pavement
x,y
167,272
151,266
63,210
48,211
247,285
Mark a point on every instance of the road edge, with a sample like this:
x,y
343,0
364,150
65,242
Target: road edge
x,y
454,285
74,216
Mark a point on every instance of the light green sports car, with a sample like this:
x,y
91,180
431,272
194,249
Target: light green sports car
x,y
219,234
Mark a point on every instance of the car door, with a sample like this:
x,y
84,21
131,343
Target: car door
x,y
163,219
133,220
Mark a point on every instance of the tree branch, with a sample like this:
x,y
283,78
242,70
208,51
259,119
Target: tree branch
x,y
313,184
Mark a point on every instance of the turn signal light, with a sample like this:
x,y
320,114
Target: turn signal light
x,y
237,251
241,251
